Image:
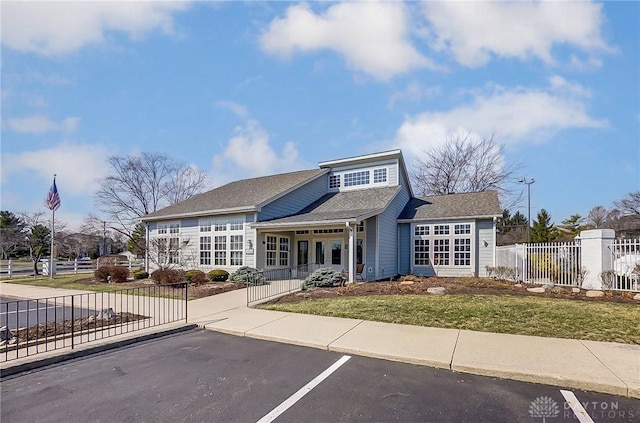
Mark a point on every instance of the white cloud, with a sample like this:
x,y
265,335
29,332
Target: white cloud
x,y
249,154
235,108
414,92
40,125
476,31
518,115
78,166
373,37
54,28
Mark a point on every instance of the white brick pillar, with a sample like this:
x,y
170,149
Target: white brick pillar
x,y
595,255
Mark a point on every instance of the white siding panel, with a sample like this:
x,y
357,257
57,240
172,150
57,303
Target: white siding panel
x,y
485,231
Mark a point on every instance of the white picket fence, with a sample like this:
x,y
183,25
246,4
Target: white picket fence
x,y
625,264
556,263
560,263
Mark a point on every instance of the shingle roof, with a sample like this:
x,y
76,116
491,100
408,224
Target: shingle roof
x,y
471,204
244,194
340,206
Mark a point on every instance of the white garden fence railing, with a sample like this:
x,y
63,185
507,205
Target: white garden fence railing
x,y
564,264
625,265
556,263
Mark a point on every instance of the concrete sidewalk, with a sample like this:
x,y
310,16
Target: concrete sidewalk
x,y
596,366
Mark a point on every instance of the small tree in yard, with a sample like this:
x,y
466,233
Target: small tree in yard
x,y
38,240
168,253
11,233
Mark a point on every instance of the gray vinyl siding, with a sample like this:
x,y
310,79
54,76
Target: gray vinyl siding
x,y
296,200
404,248
370,249
484,255
393,174
388,236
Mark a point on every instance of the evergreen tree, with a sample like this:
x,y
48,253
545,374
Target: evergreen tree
x,y
574,225
11,233
543,230
137,241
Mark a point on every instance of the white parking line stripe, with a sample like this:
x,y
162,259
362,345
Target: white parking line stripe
x,y
32,309
284,406
577,408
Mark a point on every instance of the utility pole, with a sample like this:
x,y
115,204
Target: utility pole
x,y
104,237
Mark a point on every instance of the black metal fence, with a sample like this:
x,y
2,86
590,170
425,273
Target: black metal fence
x,y
34,326
271,283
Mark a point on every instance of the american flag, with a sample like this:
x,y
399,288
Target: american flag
x,y
53,199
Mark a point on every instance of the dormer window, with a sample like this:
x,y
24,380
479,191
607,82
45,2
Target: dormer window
x,y
334,181
380,175
356,178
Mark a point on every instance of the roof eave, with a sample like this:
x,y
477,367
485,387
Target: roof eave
x,y
422,219
332,222
215,212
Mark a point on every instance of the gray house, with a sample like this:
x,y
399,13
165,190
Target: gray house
x,y
358,210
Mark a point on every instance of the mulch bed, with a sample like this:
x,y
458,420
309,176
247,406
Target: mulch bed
x,y
469,285
195,291
52,329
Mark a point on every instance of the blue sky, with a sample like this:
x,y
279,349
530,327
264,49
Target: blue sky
x,y
253,88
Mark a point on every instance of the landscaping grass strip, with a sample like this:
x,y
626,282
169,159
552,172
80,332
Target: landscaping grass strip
x,y
522,315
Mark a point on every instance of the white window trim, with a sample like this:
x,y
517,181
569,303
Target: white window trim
x,y
277,251
451,237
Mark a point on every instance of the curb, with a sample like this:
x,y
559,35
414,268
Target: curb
x,y
33,365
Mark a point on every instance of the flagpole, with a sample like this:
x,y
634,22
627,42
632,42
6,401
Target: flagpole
x,y
53,231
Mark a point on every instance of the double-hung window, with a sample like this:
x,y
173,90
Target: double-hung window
x,y
220,250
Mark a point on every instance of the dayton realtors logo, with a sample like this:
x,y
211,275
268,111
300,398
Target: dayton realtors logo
x,y
544,407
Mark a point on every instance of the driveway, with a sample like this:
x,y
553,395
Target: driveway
x,y
205,376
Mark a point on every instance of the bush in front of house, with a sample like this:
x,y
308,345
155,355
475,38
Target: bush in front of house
x,y
140,274
324,277
113,274
167,276
248,276
196,277
218,275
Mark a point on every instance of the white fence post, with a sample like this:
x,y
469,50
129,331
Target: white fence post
x,y
596,255
9,267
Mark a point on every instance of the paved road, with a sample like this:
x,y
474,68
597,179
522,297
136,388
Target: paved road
x,y
22,313
207,376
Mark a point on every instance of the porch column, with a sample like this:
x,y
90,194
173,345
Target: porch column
x,y
352,252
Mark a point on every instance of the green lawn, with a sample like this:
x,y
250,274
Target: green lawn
x,y
524,315
66,281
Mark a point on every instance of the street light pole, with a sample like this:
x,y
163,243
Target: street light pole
x,y
529,182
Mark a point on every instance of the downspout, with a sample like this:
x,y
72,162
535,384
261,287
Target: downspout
x,y
495,241
146,247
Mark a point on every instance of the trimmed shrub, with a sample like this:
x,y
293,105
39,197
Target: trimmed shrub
x,y
218,275
196,277
111,259
140,274
248,276
167,276
324,277
118,274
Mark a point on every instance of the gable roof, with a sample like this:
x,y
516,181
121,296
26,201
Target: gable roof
x,y
339,207
244,195
463,205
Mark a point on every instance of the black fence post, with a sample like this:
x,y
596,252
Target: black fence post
x,y
73,321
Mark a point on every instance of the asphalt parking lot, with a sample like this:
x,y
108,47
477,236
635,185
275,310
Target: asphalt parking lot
x,y
19,313
206,376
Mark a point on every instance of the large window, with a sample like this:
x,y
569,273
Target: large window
x,y
441,252
174,250
462,252
236,224
277,249
205,250
356,178
235,246
421,252
220,250
442,240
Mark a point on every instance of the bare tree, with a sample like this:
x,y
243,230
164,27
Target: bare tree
x,y
463,165
142,184
629,204
597,216
172,252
